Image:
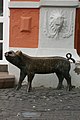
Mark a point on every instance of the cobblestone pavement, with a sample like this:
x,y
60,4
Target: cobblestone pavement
x,y
40,104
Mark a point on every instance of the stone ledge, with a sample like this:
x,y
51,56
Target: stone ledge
x,y
43,3
3,68
59,3
23,5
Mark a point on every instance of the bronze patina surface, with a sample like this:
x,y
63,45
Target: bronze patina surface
x,y
30,66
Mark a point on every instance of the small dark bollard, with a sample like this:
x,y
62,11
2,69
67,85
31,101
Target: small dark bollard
x,y
40,65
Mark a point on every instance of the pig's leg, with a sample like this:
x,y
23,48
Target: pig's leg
x,y
30,78
68,79
60,77
22,76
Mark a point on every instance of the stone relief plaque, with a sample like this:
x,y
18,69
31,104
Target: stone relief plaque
x,y
57,27
58,23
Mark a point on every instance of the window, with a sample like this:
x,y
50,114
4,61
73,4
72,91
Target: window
x,y
1,7
1,31
4,29
1,51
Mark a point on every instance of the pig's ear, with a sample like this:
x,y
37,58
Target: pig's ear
x,y
19,53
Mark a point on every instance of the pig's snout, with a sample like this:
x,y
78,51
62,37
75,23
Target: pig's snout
x,y
6,54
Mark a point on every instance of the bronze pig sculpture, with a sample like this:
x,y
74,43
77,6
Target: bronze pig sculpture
x,y
40,65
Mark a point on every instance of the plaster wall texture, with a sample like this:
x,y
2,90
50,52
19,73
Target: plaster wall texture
x,y
24,28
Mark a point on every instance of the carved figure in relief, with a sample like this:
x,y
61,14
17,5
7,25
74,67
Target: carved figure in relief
x,y
57,24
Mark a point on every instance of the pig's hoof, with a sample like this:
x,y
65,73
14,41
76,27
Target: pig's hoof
x,y
59,87
70,88
29,90
18,87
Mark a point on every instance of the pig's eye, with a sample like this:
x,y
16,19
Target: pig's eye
x,y
10,52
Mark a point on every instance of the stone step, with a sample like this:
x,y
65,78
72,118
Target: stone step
x,y
3,68
6,80
3,73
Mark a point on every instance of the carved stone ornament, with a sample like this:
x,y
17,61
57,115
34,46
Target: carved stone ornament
x,y
58,23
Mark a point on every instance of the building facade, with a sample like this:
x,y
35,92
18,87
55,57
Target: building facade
x,y
40,28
